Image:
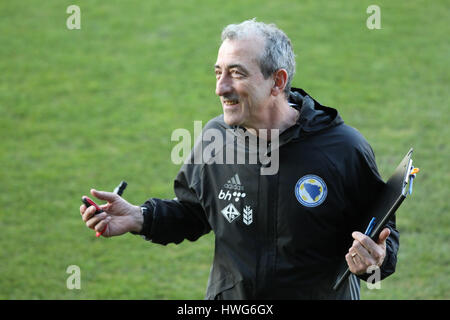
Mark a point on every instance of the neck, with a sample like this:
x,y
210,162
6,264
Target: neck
x,y
279,117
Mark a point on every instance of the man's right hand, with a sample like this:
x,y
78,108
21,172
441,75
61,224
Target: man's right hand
x,y
119,215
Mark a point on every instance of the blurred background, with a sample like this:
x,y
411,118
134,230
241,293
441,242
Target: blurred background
x,y
88,108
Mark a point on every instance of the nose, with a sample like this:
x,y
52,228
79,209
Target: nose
x,y
223,85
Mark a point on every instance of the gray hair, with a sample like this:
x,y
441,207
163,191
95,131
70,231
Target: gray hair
x,y
278,53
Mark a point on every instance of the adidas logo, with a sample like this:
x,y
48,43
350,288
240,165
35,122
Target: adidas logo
x,y
234,183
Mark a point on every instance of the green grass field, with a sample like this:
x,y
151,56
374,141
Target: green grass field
x,y
91,107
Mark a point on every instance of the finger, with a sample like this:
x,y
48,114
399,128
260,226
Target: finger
x,y
358,266
351,263
92,222
82,209
104,195
105,207
365,241
99,227
383,236
362,255
88,213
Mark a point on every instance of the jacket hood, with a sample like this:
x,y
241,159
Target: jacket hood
x,y
313,117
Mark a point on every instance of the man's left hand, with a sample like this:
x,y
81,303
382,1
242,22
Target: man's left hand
x,y
365,252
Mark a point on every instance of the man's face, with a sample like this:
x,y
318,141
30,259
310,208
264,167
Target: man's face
x,y
243,91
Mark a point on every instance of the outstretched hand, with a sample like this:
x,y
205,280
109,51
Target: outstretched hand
x,y
119,215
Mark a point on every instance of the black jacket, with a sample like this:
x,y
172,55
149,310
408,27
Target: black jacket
x,y
279,236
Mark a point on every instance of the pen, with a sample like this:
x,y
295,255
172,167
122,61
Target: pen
x,y
118,190
370,226
412,175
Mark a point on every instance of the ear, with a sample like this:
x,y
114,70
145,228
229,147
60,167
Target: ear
x,y
280,80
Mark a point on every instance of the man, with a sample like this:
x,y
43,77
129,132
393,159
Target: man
x,y
281,235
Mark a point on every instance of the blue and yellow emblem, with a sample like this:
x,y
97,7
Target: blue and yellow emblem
x,y
310,190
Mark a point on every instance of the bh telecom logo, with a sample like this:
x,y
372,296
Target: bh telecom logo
x,y
310,190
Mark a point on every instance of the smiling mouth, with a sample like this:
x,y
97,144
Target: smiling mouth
x,y
230,102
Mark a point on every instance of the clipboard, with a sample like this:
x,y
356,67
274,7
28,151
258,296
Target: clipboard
x,y
391,197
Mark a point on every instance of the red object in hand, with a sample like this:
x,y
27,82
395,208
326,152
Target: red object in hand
x,y
98,234
89,202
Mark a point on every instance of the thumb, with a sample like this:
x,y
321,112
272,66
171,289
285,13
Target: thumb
x,y
104,195
384,235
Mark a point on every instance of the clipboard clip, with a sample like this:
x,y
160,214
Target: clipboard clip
x,y
412,175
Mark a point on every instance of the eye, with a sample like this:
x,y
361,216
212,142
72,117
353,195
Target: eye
x,y
236,73
218,74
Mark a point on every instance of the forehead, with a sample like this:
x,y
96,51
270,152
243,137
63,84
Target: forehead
x,y
244,52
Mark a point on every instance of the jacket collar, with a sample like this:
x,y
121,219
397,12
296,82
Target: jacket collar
x,y
314,117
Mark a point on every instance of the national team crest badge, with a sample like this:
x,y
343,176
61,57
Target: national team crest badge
x,y
310,190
